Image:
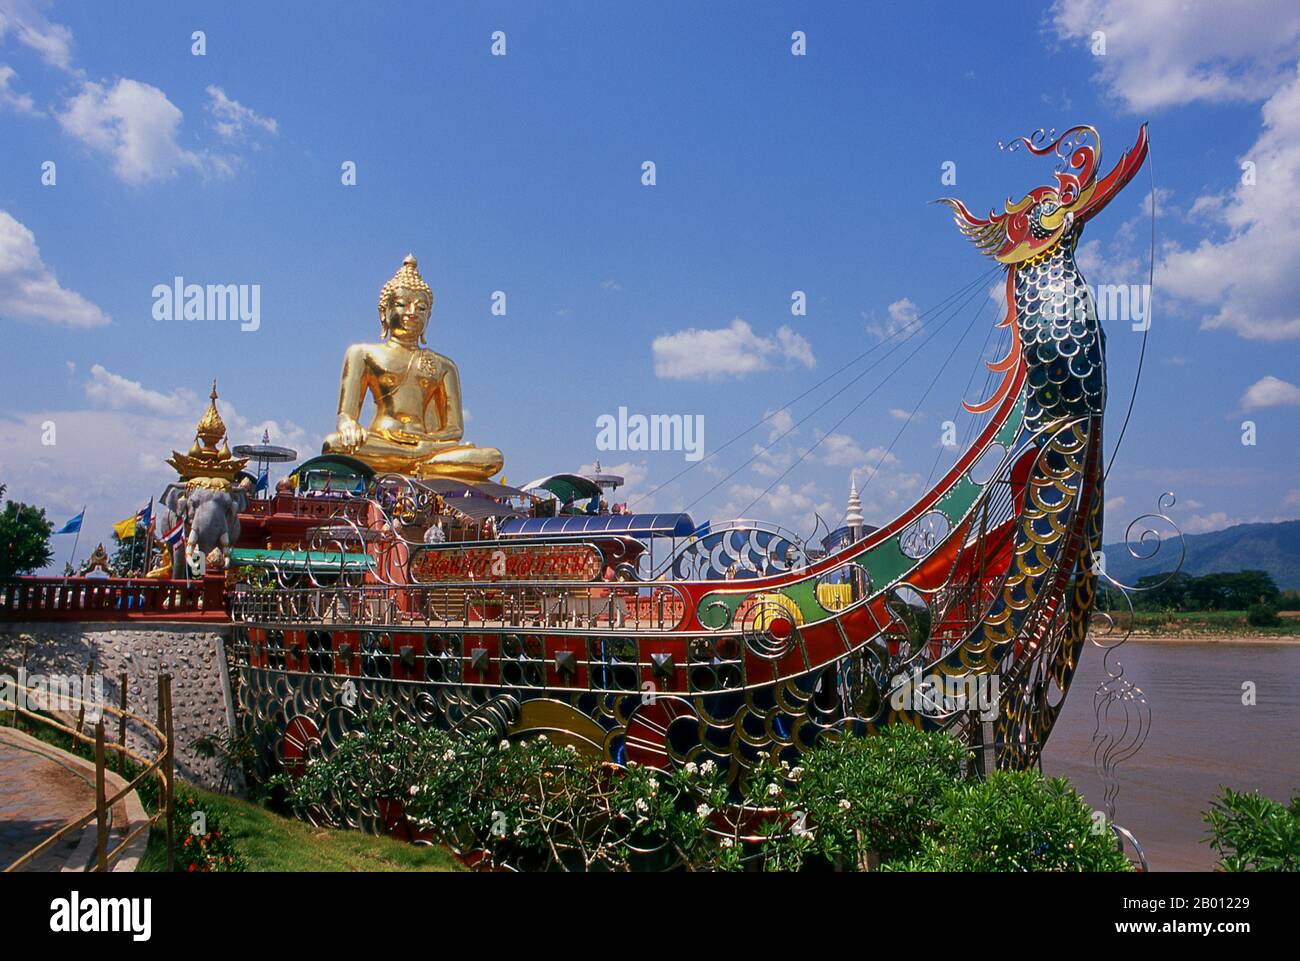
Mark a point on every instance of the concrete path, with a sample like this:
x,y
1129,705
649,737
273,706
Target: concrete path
x,y
42,788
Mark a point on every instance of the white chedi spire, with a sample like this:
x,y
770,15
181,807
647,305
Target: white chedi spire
x,y
853,516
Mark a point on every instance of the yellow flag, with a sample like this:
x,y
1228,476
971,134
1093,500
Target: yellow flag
x,y
125,529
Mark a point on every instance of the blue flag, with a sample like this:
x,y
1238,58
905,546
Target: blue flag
x,y
73,526
263,481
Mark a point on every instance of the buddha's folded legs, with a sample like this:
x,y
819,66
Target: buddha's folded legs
x,y
465,462
425,459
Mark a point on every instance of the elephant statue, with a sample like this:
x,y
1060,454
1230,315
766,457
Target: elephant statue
x,y
211,519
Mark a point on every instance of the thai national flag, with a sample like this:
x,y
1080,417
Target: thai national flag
x,y
144,517
176,536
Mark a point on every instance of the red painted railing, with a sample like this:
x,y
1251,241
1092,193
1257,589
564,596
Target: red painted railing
x,y
112,599
319,507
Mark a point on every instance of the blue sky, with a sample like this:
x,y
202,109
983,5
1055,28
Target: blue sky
x,y
522,174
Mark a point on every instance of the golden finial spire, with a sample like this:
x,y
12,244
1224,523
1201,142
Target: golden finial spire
x,y
211,428
205,464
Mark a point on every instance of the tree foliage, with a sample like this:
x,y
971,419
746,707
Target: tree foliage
x,y
1230,591
1253,833
24,538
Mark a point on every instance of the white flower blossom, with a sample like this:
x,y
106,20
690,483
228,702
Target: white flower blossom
x,y
449,754
707,768
704,810
641,804
504,745
654,786
691,767
773,790
796,773
727,842
414,790
845,804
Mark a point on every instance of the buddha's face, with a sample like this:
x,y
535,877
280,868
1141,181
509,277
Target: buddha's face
x,y
407,314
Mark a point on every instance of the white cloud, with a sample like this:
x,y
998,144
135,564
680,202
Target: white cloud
x,y
20,102
1252,274
793,507
113,391
111,455
134,124
1269,391
28,25
725,352
841,450
611,285
902,320
1164,53
131,122
1204,523
1168,53
796,347
28,289
232,120
779,422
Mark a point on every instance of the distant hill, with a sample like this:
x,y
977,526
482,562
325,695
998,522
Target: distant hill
x,y
1274,548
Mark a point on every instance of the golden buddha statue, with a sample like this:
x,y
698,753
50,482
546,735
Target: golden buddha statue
x,y
419,422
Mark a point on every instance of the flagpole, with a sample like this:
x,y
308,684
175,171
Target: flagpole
x,y
148,541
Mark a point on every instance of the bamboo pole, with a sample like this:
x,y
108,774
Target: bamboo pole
x,y
22,681
166,680
81,712
121,725
101,809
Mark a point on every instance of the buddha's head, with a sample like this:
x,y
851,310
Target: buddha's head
x,y
404,304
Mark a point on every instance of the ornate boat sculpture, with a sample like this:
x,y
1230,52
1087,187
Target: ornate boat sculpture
x,y
982,587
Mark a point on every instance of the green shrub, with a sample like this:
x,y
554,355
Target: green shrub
x,y
1263,614
853,802
1015,821
1253,833
863,798
202,846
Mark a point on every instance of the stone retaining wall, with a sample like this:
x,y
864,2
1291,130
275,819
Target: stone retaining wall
x,y
193,655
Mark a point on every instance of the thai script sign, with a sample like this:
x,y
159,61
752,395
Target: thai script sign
x,y
542,562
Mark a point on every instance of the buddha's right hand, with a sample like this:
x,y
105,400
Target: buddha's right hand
x,y
352,434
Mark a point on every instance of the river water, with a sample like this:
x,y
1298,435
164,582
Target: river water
x,y
1201,736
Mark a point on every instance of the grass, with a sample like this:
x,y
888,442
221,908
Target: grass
x,y
269,841
1207,623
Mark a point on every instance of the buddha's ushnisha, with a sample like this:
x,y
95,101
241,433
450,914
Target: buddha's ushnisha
x,y
419,421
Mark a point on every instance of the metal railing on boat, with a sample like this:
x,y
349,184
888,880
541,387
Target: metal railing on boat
x,y
520,604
